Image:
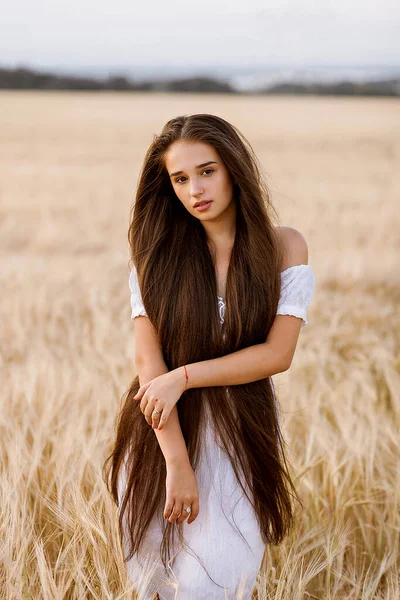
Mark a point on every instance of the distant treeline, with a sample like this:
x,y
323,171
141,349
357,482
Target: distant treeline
x,y
27,79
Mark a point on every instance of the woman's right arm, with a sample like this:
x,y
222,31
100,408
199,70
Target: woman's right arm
x,y
149,364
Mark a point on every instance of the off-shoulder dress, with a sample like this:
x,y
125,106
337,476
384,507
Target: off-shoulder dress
x,y
225,536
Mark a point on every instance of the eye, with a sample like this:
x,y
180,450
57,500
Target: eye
x,y
180,178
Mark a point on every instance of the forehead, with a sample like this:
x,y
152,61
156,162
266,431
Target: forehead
x,y
182,155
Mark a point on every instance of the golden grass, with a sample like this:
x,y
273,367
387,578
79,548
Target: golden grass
x,y
68,169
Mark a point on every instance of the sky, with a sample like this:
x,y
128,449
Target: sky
x,y
127,33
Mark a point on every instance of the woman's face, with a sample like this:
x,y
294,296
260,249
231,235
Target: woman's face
x,y
198,174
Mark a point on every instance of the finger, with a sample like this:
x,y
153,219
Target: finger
x,y
169,505
143,403
149,412
141,391
138,394
155,418
176,511
184,514
164,418
194,512
147,404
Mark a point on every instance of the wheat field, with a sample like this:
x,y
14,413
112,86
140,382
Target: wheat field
x,y
68,170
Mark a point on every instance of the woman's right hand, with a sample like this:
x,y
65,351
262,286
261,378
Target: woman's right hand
x,y
182,491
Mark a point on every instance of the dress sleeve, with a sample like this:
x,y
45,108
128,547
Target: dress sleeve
x,y
297,288
136,297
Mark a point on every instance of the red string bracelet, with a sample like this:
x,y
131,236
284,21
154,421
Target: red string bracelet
x,y
187,378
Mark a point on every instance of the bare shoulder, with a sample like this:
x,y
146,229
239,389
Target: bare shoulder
x,y
295,247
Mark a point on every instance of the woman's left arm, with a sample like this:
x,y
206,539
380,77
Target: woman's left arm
x,y
243,366
249,364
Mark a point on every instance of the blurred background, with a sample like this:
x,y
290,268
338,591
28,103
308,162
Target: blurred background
x,y
276,46
83,88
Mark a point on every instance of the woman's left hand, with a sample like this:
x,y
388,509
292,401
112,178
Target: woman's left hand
x,y
162,393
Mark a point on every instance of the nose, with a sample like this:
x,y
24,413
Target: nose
x,y
195,187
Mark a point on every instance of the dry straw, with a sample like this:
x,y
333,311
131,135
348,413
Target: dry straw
x,y
68,171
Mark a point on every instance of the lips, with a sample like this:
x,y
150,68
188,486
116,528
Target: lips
x,y
201,203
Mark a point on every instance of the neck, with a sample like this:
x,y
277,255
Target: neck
x,y
221,231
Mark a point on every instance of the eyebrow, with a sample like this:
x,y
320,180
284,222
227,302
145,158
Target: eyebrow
x,y
209,162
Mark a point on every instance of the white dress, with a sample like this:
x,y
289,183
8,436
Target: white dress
x,y
225,535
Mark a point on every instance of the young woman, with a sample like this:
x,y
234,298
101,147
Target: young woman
x,y
219,295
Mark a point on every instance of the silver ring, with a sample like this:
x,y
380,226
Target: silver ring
x,y
188,509
158,412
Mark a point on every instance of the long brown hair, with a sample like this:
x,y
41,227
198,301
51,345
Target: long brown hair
x,y
177,279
